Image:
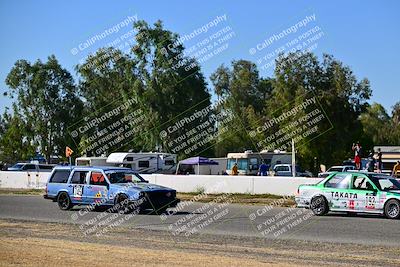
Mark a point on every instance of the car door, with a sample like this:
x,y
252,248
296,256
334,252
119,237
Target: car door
x,y
76,186
367,197
96,191
336,191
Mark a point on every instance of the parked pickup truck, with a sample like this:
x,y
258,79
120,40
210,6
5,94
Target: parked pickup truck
x,y
286,170
121,189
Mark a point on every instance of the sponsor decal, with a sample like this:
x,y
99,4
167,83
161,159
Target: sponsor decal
x,y
98,194
351,204
77,191
370,202
344,195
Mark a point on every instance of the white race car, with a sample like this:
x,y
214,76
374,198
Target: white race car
x,y
352,192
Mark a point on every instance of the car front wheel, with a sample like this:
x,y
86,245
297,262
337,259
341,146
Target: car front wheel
x,y
319,206
122,205
64,202
392,209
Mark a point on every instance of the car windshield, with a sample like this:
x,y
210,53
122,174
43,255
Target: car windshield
x,y
124,177
335,169
385,183
18,166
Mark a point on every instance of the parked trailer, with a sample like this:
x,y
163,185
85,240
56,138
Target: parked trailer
x,y
92,161
148,162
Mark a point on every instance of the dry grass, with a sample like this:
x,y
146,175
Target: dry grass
x,y
51,244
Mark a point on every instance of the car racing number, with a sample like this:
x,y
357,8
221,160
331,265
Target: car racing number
x,y
370,201
78,190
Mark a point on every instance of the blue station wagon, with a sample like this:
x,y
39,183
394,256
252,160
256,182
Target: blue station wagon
x,y
118,188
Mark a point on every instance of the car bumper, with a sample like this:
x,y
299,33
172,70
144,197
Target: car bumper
x,y
302,202
160,204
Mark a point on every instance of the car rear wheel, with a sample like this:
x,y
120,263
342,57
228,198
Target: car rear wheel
x,y
64,202
392,209
319,206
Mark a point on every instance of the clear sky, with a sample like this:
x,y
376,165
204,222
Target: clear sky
x,y
363,34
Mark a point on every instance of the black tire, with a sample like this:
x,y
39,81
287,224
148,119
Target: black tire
x,y
319,206
121,204
392,209
64,202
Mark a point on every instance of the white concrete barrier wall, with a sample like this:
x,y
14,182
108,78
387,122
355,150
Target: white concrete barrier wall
x,y
284,186
184,183
18,179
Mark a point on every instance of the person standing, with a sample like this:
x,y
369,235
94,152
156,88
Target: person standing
x,y
396,169
371,162
357,155
379,161
235,169
263,169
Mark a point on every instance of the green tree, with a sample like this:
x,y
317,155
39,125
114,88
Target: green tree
x,y
47,102
16,138
376,124
342,97
243,94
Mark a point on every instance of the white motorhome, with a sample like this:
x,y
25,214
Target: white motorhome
x,y
148,162
248,162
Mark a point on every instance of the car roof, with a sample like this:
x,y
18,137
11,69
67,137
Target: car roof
x,y
104,168
369,174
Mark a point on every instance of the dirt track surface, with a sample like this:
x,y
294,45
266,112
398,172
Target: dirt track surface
x,y
49,244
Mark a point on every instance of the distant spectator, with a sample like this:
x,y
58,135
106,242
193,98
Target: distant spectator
x,y
263,170
235,169
379,161
371,162
396,169
357,154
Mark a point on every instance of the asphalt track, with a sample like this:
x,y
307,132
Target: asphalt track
x,y
219,219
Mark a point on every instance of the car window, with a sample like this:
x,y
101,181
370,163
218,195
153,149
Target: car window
x,y
97,178
79,177
340,181
362,183
282,169
335,169
60,176
18,166
385,183
46,167
29,167
123,177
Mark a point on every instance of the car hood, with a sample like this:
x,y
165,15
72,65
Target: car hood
x,y
143,187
